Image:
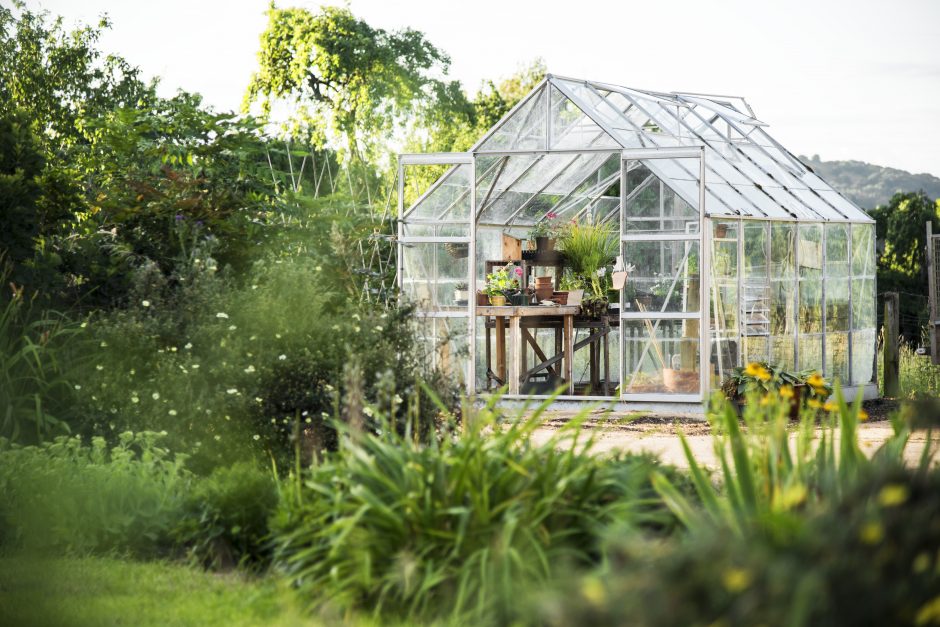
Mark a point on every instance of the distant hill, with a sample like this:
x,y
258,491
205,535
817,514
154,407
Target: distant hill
x,y
871,185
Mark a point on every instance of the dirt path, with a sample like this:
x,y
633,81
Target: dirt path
x,y
657,434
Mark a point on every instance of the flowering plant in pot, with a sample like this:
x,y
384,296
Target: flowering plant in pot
x,y
546,231
502,283
461,294
796,387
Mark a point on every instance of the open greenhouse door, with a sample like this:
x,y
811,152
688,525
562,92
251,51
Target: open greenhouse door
x,y
663,306
435,247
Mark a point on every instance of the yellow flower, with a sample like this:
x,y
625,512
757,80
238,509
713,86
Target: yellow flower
x,y
786,392
816,380
814,403
892,495
862,415
871,533
764,401
830,407
756,370
736,579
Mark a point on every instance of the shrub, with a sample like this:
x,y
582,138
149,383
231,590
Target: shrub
x,y
868,556
460,525
225,517
66,496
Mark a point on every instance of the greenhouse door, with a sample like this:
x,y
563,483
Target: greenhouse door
x,y
435,246
661,312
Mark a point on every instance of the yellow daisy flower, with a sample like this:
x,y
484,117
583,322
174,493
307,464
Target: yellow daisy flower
x,y
862,415
814,403
756,370
786,392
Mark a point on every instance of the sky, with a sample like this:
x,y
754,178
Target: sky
x,y
843,79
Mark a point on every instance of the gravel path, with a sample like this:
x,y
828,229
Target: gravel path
x,y
637,432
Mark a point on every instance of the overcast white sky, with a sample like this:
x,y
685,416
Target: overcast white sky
x,y
847,79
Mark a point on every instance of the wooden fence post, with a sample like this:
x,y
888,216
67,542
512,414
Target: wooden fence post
x,y
892,355
932,293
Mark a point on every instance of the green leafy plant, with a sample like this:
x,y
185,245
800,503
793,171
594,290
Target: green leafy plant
x,y
765,377
591,249
549,225
503,281
458,525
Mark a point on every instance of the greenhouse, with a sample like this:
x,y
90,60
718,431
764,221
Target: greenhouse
x,y
632,245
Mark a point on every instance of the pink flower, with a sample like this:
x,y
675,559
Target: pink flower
x,y
518,271
551,215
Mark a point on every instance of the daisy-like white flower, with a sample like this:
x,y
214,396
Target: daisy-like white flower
x,y
172,412
156,396
145,303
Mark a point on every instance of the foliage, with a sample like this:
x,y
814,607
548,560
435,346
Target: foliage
x,y
503,281
67,496
763,473
902,266
550,225
460,525
224,521
35,368
765,377
92,591
866,556
346,77
591,249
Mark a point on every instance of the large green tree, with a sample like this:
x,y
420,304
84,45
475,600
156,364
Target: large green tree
x,y
344,79
902,264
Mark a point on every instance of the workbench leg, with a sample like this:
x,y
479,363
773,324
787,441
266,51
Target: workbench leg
x,y
489,357
501,348
515,358
569,352
607,360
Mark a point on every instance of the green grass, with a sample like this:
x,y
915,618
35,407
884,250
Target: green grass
x,y
99,592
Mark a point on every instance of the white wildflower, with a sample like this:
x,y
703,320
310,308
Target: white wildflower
x,y
172,412
188,346
282,357
256,437
156,396
221,314
232,327
232,390
145,303
135,399
99,367
249,369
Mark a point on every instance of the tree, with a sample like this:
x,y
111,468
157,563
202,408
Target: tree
x,y
901,225
346,79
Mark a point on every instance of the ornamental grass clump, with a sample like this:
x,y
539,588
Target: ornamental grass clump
x,y
459,527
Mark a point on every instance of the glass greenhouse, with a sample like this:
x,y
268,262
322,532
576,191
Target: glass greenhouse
x,y
735,251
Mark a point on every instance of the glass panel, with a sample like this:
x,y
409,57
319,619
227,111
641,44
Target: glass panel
x,y
837,357
525,130
429,195
571,128
810,314
756,280
863,250
837,305
431,273
837,250
781,307
811,354
665,276
652,205
781,350
863,356
863,303
810,253
781,250
660,356
445,340
756,348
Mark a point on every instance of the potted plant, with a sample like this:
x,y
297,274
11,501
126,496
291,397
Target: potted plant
x,y
797,387
590,250
502,283
545,231
461,294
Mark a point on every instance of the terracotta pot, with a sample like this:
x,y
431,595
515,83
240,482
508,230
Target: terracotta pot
x,y
482,299
560,297
497,300
545,244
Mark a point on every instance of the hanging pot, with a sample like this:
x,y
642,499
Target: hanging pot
x,y
545,244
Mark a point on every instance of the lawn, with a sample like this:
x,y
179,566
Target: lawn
x,y
99,592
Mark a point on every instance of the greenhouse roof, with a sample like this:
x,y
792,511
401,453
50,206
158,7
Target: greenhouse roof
x,y
560,141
